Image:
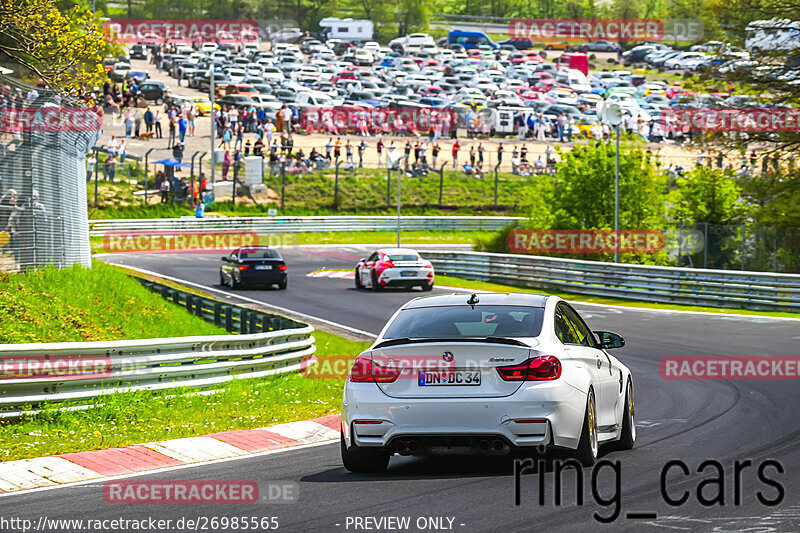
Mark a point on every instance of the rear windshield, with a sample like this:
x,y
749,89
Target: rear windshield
x,y
258,253
402,257
463,321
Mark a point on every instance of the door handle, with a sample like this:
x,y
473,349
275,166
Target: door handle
x,y
599,363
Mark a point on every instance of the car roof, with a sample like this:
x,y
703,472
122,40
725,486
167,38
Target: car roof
x,y
488,298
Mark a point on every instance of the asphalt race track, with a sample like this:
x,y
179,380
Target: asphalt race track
x,y
688,421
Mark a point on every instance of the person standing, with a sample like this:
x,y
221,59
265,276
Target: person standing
x,y
157,124
379,148
287,119
472,156
171,139
137,122
226,164
110,167
148,120
191,114
130,116
90,165
456,148
435,154
361,147
500,155
183,125
122,151
480,153
237,164
337,149
165,186
348,150
328,148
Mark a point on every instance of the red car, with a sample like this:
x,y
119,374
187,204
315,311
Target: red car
x,y
345,75
430,90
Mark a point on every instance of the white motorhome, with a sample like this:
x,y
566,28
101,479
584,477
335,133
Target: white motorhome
x,y
773,35
348,29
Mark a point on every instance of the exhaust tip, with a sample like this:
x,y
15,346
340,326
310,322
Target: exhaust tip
x,y
498,445
412,446
400,445
484,445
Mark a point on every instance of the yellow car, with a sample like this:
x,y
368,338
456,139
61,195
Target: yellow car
x,y
584,124
203,105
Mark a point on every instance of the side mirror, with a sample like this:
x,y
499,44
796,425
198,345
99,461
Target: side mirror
x,y
609,340
362,260
224,258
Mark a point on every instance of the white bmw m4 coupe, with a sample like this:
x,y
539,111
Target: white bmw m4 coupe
x,y
485,374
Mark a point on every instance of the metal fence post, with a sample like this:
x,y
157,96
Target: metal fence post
x,y
243,316
191,178
283,184
705,246
389,186
228,318
496,182
744,234
146,171
336,187
775,250
217,313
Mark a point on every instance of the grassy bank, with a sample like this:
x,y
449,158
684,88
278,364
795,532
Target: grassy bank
x,y
361,194
79,304
102,303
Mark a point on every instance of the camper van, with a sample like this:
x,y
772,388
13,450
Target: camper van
x,y
347,29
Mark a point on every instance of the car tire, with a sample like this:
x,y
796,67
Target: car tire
x,y
358,280
548,47
588,446
221,279
375,285
363,461
283,284
427,286
628,436
235,284
159,101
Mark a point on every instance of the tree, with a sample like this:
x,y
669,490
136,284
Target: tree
x,y
64,50
584,195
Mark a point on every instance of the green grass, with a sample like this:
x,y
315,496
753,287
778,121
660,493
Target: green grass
x,y
452,281
79,304
363,193
356,237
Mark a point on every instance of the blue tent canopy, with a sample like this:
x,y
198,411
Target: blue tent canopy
x,y
172,163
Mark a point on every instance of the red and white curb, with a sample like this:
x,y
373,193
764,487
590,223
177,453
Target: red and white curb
x,y
345,274
40,472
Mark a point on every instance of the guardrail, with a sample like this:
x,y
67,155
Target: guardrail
x,y
303,224
268,345
714,288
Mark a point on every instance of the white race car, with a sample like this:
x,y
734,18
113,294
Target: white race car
x,y
394,267
487,373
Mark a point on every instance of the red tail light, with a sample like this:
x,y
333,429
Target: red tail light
x,y
243,267
366,370
282,267
542,368
386,263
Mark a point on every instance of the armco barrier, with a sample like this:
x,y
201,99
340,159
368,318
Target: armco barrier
x,y
714,288
301,224
268,345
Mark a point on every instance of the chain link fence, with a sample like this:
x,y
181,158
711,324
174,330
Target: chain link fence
x,y
739,247
44,140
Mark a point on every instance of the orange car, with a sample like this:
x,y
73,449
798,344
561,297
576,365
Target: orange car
x,y
223,89
558,46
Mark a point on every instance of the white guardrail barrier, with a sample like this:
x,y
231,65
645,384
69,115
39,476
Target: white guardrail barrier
x,y
714,288
268,345
266,224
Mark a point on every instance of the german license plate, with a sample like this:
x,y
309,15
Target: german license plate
x,y
263,267
408,273
450,377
